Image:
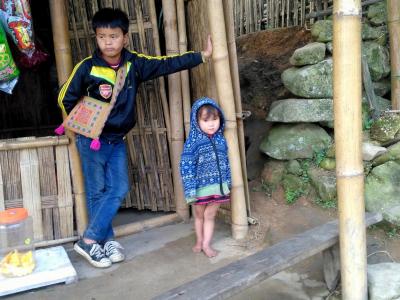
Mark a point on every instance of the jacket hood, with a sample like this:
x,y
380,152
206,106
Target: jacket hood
x,y
194,125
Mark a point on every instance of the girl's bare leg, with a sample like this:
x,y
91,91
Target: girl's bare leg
x,y
198,226
208,229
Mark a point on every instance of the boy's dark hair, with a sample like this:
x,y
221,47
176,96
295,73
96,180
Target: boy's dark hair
x,y
110,18
210,111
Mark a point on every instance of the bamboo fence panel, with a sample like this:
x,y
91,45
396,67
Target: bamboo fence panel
x,y
256,15
30,183
148,154
48,188
251,16
65,202
35,174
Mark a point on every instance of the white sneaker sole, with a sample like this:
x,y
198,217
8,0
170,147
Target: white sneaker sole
x,y
98,264
116,258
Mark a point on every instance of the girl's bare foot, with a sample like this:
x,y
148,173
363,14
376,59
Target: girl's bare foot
x,y
196,249
210,252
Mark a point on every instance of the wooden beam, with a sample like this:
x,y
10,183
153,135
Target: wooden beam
x,y
240,275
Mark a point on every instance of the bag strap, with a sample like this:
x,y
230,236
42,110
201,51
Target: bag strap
x,y
119,84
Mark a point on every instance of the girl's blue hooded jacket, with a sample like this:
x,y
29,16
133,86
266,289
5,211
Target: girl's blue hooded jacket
x,y
204,162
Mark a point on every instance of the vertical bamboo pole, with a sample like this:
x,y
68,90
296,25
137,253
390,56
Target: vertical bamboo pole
x,y
393,8
161,82
227,102
175,100
62,50
349,167
180,9
230,31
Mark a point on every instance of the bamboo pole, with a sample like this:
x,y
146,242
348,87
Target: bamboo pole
x,y
175,100
62,50
393,7
136,227
230,31
36,143
180,8
161,82
227,101
120,230
349,167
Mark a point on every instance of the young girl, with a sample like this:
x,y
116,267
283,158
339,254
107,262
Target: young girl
x,y
205,170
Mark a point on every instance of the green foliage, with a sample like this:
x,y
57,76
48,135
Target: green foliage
x,y
305,166
367,123
393,232
326,203
319,156
291,196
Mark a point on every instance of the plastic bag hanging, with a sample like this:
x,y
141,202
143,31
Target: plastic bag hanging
x,y
15,16
8,70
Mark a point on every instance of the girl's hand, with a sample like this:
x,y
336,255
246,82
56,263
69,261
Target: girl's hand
x,y
208,51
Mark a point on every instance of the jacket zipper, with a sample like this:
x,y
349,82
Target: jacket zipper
x,y
219,169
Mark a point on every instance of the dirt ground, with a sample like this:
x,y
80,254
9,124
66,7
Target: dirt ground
x,y
262,57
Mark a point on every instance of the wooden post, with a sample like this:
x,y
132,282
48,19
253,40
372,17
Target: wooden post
x,y
180,8
175,100
230,31
393,12
62,50
349,167
227,101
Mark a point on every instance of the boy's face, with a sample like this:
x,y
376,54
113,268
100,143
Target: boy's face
x,y
111,41
209,124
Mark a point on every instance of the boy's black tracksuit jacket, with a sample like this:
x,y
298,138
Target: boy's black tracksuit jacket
x,y
93,77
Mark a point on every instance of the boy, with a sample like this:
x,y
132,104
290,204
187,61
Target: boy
x,y
105,171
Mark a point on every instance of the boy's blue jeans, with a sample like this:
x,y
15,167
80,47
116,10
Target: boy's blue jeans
x,y
106,184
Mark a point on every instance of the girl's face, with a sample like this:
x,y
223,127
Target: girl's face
x,y
111,41
209,124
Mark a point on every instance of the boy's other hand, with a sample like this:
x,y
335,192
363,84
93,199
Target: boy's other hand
x,y
208,51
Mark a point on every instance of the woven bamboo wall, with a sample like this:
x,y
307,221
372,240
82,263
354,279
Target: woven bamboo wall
x,y
149,165
255,15
37,177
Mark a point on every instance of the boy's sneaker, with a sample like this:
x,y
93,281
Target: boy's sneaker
x,y
112,250
93,253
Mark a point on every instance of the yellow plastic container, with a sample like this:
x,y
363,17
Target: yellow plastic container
x,y
17,251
